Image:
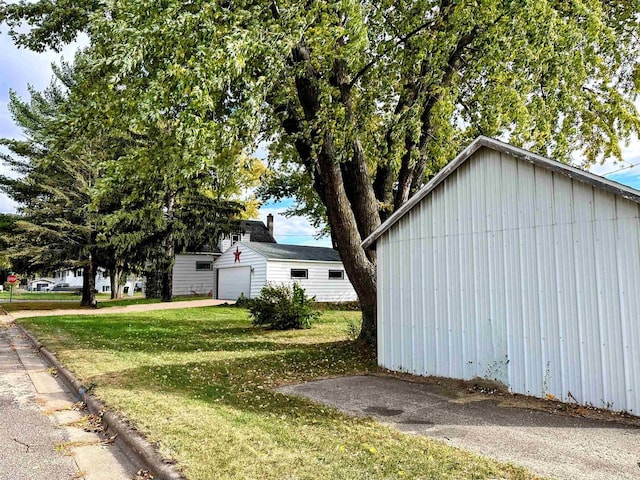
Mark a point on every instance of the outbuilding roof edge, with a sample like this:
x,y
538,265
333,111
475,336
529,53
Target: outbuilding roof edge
x,y
482,141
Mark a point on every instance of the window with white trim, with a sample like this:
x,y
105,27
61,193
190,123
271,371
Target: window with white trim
x,y
299,273
106,288
336,274
235,238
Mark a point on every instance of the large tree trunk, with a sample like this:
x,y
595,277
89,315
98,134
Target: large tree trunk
x,y
89,285
153,283
359,265
345,189
169,254
167,280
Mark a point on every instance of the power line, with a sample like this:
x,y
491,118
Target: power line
x,y
632,165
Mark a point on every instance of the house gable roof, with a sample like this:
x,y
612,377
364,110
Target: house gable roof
x,y
278,251
519,153
257,231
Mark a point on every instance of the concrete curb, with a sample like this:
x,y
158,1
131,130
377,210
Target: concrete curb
x,y
132,442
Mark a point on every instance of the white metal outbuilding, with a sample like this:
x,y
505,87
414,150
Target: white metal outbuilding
x,y
246,267
513,267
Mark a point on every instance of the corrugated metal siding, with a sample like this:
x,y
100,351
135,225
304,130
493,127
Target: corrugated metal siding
x,y
247,258
318,284
511,272
187,280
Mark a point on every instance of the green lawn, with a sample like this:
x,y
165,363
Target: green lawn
x,y
198,382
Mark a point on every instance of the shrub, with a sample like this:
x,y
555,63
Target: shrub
x,y
242,302
283,307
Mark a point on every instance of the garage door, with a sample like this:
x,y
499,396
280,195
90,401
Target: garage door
x,y
234,281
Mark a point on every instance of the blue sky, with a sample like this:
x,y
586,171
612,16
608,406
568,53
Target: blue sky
x,y
630,177
19,68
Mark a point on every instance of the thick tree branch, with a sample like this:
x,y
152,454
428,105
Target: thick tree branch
x,y
354,170
410,176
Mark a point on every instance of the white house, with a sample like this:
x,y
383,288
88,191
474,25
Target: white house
x,y
513,267
73,277
246,267
249,231
193,272
40,284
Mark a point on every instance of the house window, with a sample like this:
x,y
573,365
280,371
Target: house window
x,y
336,274
204,266
77,273
299,273
106,288
235,238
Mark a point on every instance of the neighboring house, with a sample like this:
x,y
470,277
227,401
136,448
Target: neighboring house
x,y
73,277
253,231
246,267
40,284
513,267
193,272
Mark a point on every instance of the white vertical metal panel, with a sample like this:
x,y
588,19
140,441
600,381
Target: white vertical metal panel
x,y
511,272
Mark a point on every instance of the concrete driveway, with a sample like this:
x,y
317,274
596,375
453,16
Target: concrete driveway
x,y
550,445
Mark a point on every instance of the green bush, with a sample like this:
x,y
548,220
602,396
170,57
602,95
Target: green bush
x,y
242,302
283,307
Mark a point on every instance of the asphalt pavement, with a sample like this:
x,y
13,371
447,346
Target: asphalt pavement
x,y
42,434
551,445
28,439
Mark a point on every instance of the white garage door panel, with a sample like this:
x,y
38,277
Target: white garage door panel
x,y
234,281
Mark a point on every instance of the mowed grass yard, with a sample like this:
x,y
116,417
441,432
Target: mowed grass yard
x,y
198,382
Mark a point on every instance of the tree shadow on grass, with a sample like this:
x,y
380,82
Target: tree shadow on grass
x,y
172,336
246,383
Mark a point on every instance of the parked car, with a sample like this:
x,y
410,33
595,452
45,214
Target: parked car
x,y
64,287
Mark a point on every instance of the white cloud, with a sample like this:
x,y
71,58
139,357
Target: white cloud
x,y
21,68
294,230
7,205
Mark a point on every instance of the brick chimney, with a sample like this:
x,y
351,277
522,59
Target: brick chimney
x,y
270,224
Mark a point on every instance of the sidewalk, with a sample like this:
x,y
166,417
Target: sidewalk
x,y
144,307
41,435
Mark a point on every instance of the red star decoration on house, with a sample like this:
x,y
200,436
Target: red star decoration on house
x,y
237,254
